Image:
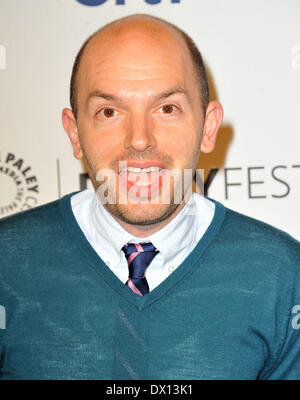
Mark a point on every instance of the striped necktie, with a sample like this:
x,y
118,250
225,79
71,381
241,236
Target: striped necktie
x,y
139,257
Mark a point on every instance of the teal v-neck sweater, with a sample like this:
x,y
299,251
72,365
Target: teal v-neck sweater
x,y
227,312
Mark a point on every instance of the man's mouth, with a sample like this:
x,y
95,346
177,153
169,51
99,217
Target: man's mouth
x,y
141,179
147,169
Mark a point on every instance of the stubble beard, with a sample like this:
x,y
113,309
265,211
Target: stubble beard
x,y
139,214
143,212
136,214
146,217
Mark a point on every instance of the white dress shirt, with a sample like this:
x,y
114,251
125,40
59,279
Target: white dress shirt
x,y
174,241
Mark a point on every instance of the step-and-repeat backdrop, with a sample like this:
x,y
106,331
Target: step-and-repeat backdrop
x,y
252,53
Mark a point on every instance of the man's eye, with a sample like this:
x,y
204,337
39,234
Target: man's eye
x,y
168,109
107,112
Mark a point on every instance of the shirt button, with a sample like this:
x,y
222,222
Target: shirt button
x,y
107,263
171,268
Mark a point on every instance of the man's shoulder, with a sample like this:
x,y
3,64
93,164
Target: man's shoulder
x,y
38,219
253,228
253,236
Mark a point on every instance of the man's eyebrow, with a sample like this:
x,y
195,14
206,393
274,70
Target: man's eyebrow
x,y
103,95
170,92
159,96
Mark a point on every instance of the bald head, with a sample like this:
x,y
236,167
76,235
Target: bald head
x,y
132,32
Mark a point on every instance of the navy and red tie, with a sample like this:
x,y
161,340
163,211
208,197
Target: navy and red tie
x,y
139,257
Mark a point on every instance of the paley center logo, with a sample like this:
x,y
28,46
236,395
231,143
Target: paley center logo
x,y
20,186
121,2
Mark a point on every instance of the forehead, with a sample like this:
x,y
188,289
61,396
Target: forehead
x,y
142,55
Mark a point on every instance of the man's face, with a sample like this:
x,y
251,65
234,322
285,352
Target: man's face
x,y
138,101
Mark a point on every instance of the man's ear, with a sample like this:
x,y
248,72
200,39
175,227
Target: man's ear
x,y
213,120
70,125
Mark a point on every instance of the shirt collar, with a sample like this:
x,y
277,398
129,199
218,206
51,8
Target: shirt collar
x,y
165,240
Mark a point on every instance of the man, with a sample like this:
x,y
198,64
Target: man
x,y
118,283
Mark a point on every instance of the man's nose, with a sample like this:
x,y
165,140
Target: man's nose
x,y
139,132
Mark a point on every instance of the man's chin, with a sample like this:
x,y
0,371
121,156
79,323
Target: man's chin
x,y
141,214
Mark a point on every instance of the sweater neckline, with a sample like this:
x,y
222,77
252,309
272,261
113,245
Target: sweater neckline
x,y
90,257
